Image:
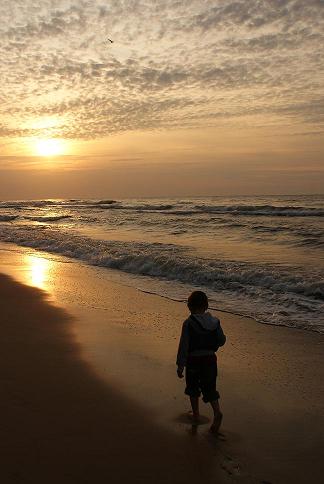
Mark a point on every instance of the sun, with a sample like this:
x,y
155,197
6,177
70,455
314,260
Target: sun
x,y
49,147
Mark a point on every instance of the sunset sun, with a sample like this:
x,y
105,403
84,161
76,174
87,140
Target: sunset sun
x,y
49,147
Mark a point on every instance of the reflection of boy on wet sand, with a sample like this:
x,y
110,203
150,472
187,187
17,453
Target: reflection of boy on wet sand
x,y
201,337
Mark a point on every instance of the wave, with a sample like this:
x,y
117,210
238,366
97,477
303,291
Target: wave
x,y
312,236
184,212
179,207
47,218
151,207
105,202
265,292
18,204
80,203
252,210
7,218
134,208
264,210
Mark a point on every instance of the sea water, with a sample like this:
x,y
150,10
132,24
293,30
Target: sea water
x,y
261,257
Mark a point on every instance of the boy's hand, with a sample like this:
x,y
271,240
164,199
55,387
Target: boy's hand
x,y
180,372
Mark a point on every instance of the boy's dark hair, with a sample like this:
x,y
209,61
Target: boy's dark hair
x,y
197,301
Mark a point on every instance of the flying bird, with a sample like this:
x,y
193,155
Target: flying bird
x,y
111,41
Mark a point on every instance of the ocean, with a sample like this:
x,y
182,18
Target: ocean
x,y
260,257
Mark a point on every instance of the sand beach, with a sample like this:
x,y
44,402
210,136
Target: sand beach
x,y
90,393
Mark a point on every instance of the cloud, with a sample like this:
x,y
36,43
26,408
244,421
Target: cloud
x,y
256,15
172,65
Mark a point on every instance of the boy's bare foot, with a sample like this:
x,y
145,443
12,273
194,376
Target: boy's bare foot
x,y
217,423
194,417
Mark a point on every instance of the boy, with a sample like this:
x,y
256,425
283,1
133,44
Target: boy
x,y
201,337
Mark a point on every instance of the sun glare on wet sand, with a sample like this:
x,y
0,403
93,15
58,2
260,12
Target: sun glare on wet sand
x,y
38,270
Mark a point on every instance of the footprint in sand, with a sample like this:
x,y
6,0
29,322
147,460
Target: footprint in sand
x,y
231,467
221,437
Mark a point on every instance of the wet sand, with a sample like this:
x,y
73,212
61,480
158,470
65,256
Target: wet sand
x,y
60,423
90,392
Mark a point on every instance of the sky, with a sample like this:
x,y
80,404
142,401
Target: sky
x,y
193,97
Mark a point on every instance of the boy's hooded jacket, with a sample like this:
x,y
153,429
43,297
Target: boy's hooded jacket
x,y
208,322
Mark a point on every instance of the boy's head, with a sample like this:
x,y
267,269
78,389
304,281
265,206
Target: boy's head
x,y
198,302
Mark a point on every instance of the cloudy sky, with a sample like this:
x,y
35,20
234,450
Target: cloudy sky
x,y
192,97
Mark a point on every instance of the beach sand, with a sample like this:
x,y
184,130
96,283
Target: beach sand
x,y
90,395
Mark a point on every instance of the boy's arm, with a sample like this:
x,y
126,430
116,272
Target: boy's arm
x,y
183,349
220,336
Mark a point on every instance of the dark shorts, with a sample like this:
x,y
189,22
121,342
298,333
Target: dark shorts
x,y
201,374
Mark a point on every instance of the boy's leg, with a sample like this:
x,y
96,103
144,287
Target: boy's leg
x,y
195,408
218,416
210,394
192,388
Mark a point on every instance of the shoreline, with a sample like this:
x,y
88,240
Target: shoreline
x,y
270,377
123,280
283,286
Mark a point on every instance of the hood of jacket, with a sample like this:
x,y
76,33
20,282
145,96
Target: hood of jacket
x,y
207,320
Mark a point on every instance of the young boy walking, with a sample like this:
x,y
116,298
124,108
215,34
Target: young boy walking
x,y
201,337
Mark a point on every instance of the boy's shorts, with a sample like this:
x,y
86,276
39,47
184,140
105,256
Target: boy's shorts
x,y
201,374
